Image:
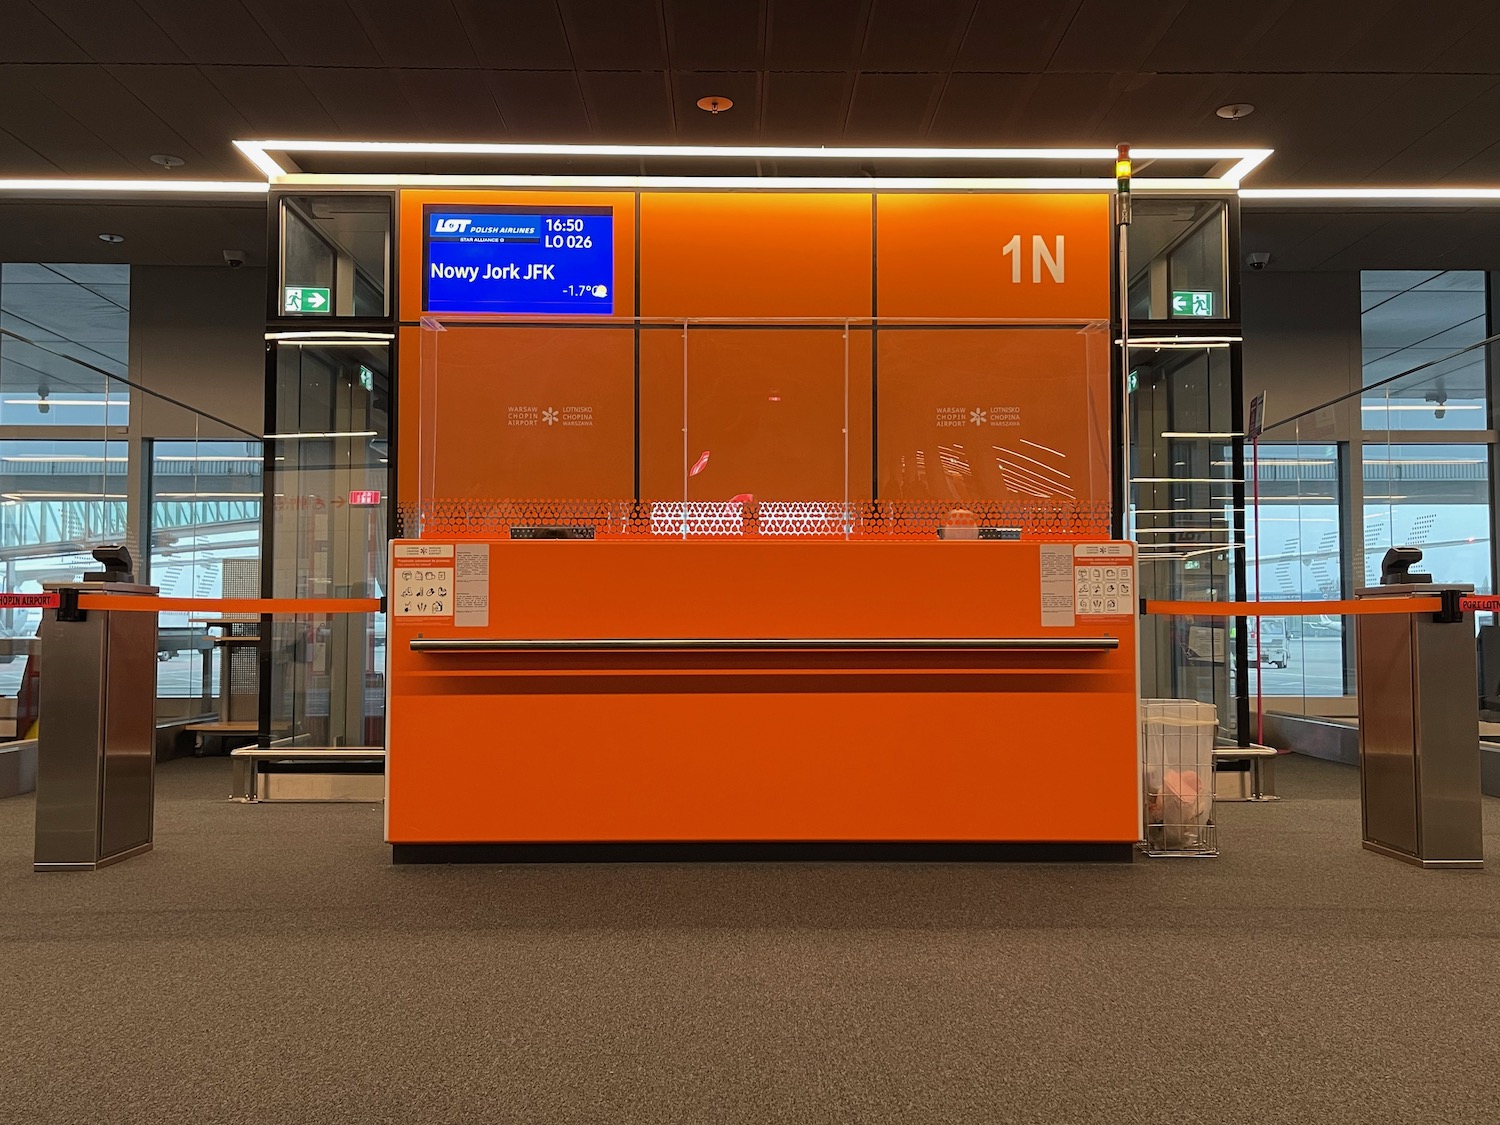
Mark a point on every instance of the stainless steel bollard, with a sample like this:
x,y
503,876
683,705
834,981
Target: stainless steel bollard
x,y
1420,797
96,751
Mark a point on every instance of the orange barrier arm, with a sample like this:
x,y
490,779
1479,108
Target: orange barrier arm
x,y
294,607
1344,608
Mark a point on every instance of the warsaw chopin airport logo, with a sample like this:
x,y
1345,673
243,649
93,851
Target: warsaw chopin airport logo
x,y
961,417
549,416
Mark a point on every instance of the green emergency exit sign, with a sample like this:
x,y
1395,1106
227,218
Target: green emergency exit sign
x,y
1192,302
298,299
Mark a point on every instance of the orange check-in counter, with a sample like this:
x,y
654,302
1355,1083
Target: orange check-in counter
x,y
646,692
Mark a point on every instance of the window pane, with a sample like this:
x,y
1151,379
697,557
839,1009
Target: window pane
x,y
58,501
205,543
1435,497
1423,319
74,324
1178,259
1297,557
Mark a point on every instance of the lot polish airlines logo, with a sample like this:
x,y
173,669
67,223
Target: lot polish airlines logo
x,y
450,226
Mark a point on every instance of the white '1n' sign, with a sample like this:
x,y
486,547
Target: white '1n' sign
x,y
1042,255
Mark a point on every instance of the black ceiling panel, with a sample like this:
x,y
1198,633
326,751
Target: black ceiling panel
x,y
1105,35
115,32
1019,37
406,34
921,35
324,33
518,34
1064,109
29,36
20,159
816,34
231,36
1319,37
364,104
1474,51
629,106
979,110
891,109
545,106
619,35
805,109
457,105
39,122
1390,43
274,100
724,35
1196,39
198,111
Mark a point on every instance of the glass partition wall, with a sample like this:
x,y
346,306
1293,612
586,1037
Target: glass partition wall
x,y
1339,488
330,389
1184,479
762,427
90,455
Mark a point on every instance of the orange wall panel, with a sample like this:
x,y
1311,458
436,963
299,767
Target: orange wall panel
x,y
755,254
943,256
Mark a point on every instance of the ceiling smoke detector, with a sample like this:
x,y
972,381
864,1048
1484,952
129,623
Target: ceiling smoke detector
x,y
1235,111
166,160
715,104
111,238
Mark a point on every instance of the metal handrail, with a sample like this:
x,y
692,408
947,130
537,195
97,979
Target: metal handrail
x,y
741,644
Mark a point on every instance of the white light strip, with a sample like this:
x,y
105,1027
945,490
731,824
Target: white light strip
x,y
197,495
1415,406
330,337
66,495
259,154
75,458
1202,434
323,434
132,187
1185,480
208,457
1374,194
1182,341
121,401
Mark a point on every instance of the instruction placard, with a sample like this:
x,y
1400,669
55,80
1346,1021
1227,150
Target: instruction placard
x,y
1057,584
471,589
422,580
1104,579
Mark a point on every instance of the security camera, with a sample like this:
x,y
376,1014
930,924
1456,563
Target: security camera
x,y
42,405
234,259
1259,260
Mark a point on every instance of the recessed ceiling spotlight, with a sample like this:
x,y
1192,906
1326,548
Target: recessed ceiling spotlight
x,y
168,161
111,238
1235,111
715,104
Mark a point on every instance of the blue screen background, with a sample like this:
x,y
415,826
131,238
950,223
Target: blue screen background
x,y
513,249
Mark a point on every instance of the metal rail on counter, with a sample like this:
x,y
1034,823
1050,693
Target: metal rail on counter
x,y
755,644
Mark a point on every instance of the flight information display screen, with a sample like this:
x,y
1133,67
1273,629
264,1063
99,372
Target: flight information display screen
x,y
520,260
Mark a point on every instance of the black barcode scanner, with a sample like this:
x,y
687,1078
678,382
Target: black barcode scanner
x,y
1395,568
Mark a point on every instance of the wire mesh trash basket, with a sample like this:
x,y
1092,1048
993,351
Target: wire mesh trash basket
x,y
1177,739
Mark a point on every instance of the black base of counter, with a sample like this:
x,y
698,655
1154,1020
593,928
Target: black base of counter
x,y
756,851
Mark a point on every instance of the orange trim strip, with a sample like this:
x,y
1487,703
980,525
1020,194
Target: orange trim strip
x,y
295,607
1345,608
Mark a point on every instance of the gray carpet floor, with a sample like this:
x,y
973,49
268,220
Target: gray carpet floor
x,y
268,964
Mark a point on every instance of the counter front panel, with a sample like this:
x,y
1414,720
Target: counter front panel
x,y
729,690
